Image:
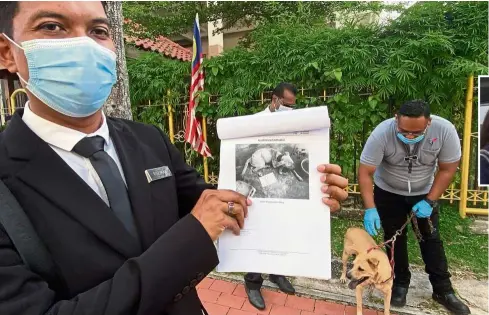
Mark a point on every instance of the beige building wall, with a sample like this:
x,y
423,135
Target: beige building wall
x,y
215,44
231,39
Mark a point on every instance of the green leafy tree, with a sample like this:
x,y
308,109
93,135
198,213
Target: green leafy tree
x,y
175,17
365,70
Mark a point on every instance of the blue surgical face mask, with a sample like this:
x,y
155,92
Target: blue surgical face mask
x,y
73,76
410,141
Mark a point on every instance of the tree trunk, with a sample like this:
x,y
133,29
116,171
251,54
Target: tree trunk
x,y
118,104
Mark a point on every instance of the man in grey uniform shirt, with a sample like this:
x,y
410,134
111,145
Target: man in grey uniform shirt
x,y
402,155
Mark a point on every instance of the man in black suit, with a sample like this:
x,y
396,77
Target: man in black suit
x,y
128,225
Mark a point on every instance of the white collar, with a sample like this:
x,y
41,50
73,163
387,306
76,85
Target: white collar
x,y
57,135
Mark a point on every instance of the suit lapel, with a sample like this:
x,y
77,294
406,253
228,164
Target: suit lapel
x,y
49,175
133,163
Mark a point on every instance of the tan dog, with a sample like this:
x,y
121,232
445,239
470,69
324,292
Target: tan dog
x,y
370,267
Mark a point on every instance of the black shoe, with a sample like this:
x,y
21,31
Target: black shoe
x,y
255,298
452,303
398,297
283,284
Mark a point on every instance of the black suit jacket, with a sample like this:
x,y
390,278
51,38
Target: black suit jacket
x,y
100,267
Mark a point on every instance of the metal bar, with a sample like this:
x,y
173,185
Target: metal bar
x,y
12,100
171,127
476,211
466,147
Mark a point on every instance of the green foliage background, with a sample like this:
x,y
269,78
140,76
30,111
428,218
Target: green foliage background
x,y
176,17
366,70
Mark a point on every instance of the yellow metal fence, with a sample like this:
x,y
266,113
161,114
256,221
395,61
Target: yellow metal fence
x,y
471,201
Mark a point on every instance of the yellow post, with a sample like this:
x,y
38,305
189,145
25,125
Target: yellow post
x,y
171,128
206,166
12,100
464,185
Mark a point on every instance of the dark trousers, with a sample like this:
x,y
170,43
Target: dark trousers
x,y
254,280
393,211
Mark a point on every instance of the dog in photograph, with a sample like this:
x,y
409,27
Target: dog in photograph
x,y
269,157
371,267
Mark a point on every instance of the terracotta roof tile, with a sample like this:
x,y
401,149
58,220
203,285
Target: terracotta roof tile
x,y
161,44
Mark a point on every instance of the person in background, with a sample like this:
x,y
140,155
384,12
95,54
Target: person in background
x,y
412,159
283,99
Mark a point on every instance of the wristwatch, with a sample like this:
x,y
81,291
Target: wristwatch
x,y
431,202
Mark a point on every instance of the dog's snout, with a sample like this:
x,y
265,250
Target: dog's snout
x,y
348,275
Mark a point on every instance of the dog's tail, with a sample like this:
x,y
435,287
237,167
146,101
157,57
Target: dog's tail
x,y
245,167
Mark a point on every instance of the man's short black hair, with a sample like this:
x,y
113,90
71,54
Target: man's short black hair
x,y
8,10
282,87
416,108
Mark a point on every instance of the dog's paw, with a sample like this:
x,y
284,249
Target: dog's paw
x,y
343,279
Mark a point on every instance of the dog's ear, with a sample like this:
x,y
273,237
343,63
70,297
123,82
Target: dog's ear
x,y
373,262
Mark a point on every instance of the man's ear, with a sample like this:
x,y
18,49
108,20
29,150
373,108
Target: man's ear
x,y
7,55
373,262
274,99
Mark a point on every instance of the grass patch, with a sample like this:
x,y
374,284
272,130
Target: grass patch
x,y
466,252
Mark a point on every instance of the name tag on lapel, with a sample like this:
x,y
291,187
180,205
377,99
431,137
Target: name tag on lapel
x,y
157,173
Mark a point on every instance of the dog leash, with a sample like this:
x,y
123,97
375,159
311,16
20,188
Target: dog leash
x,y
391,242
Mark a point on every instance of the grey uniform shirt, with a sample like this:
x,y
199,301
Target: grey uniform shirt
x,y
385,151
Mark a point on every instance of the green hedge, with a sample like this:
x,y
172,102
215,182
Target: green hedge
x,y
427,53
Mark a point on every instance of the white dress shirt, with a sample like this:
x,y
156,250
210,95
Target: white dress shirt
x,y
62,140
280,109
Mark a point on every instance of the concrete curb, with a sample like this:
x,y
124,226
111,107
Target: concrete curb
x,y
330,296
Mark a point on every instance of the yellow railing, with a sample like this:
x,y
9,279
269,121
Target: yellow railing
x,y
452,194
468,199
170,120
206,164
465,194
12,99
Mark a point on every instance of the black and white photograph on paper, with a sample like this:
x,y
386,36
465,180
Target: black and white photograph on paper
x,y
272,170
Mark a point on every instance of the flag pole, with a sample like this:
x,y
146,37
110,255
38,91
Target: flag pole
x,y
204,131
206,165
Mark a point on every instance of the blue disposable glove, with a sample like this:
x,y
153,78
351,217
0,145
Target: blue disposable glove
x,y
423,209
371,221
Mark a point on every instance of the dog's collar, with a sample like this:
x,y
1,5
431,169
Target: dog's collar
x,y
372,248
390,278
391,262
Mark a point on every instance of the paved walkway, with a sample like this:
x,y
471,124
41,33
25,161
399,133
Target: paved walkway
x,y
227,298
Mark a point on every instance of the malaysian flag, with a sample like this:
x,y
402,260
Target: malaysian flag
x,y
193,130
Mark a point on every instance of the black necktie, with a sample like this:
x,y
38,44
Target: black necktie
x,y
93,149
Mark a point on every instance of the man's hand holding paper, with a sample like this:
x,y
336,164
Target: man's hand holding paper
x,y
334,185
218,210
